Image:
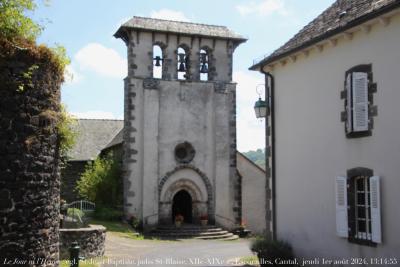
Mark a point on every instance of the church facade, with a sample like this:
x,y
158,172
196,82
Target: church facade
x,y
180,123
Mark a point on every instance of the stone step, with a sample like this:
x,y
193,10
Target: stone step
x,y
189,227
208,232
188,230
177,233
210,237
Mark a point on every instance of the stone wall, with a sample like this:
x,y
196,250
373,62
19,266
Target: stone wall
x,y
30,81
91,241
69,176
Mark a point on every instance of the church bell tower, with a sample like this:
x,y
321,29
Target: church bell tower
x,y
180,122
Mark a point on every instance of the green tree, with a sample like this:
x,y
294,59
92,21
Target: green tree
x,y
15,24
67,134
257,156
101,182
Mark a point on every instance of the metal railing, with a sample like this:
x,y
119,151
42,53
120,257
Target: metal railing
x,y
82,205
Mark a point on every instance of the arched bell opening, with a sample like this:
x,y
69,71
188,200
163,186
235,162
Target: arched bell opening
x,y
157,61
182,204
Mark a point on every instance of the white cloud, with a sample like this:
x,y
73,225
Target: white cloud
x,y
263,8
96,114
101,59
71,75
250,131
169,15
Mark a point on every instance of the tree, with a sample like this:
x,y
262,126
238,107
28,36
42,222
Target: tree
x,y
14,24
257,156
101,182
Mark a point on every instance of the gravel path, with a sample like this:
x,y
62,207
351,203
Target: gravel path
x,y
127,252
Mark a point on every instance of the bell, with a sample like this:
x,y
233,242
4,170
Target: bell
x,y
204,68
158,60
203,58
181,57
181,67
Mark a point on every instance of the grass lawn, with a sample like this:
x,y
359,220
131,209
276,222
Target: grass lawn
x,y
118,228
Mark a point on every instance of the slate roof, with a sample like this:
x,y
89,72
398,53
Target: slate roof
x,y
93,136
186,28
117,140
342,15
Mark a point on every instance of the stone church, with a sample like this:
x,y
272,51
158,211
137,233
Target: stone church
x,y
180,122
178,139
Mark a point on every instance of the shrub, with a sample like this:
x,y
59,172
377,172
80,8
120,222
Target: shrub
x,y
269,251
73,212
107,214
135,223
101,182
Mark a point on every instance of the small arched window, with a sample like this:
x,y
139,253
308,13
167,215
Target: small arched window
x,y
204,66
182,66
157,62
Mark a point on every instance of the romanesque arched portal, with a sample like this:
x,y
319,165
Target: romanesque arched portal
x,y
195,186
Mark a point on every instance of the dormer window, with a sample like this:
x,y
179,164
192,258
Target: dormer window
x,y
183,61
204,66
157,62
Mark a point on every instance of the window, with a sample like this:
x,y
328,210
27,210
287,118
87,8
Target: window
x,y
183,63
358,207
204,66
358,101
157,62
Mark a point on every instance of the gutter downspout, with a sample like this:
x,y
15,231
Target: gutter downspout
x,y
269,95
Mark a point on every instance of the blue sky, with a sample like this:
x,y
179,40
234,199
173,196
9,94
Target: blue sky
x,y
86,28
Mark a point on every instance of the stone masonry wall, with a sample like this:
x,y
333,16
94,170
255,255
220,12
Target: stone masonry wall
x,y
30,81
91,241
70,175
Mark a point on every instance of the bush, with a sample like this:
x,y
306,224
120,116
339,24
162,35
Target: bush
x,y
73,212
270,252
107,214
101,182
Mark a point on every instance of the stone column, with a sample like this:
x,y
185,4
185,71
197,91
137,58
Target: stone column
x,y
29,173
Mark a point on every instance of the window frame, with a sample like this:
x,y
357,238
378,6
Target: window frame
x,y
347,95
353,219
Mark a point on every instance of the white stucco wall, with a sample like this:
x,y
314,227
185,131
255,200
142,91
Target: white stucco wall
x,y
253,195
312,149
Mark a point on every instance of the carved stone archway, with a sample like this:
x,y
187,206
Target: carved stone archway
x,y
188,178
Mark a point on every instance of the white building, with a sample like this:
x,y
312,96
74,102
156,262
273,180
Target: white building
x,y
335,139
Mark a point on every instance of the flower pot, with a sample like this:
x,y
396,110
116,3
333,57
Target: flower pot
x,y
204,222
178,223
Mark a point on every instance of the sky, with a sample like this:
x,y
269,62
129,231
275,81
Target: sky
x,y
94,83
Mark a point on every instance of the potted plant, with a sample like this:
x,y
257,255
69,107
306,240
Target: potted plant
x,y
241,230
273,253
204,219
178,220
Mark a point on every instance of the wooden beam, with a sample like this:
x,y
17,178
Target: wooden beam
x,y
320,47
366,28
385,21
348,36
333,42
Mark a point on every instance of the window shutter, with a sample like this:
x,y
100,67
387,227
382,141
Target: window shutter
x,y
342,228
360,101
374,182
349,122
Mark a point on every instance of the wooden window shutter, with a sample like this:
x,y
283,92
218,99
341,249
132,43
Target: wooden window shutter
x,y
375,209
360,101
349,106
342,228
